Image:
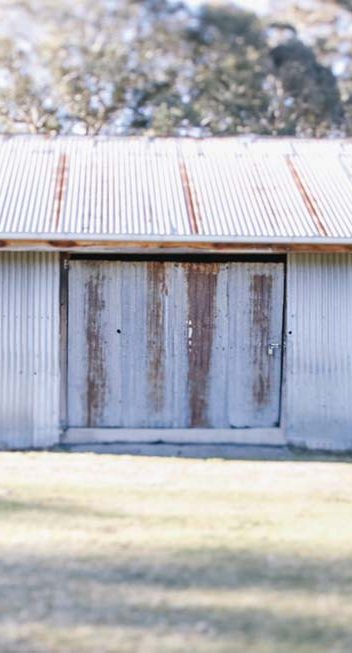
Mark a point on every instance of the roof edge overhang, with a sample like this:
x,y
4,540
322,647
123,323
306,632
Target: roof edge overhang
x,y
125,243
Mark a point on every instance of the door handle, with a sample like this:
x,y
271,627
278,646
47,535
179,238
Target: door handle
x,y
271,348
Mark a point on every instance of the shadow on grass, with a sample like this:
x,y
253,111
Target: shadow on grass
x,y
54,509
145,595
203,569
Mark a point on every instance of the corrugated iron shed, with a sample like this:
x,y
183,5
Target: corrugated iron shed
x,y
85,189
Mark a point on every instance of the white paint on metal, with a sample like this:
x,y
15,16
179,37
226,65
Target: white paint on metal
x,y
267,436
29,349
103,189
319,351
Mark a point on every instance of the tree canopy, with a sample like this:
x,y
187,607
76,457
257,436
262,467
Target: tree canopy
x,y
159,67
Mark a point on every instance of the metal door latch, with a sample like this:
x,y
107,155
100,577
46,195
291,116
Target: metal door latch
x,y
271,348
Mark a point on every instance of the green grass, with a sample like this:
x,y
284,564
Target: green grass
x,y
114,555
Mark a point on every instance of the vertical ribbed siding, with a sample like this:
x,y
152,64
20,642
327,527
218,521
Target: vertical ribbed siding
x,y
319,351
29,349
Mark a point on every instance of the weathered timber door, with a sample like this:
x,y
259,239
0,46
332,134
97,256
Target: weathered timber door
x,y
173,345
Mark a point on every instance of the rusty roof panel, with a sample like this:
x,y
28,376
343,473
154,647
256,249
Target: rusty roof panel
x,y
105,188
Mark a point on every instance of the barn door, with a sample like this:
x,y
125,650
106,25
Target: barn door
x,y
171,346
255,322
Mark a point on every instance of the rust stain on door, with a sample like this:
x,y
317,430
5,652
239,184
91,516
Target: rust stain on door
x,y
96,381
261,297
157,292
202,281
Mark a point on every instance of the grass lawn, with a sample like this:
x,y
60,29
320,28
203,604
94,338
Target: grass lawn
x,y
111,554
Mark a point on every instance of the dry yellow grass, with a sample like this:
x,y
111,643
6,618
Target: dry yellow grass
x,y
102,554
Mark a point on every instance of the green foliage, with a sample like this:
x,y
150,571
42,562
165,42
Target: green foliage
x,y
345,3
314,99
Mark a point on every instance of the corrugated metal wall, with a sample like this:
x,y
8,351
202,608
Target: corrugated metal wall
x,y
318,374
319,351
29,349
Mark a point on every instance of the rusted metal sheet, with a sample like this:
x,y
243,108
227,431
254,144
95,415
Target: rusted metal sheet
x,y
256,301
190,193
60,187
202,324
133,332
163,344
29,349
70,192
97,362
91,186
309,199
318,412
90,317
156,323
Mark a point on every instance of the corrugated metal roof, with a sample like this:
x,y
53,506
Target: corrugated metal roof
x,y
180,189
